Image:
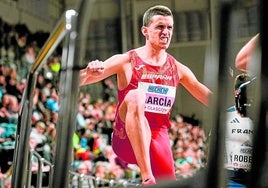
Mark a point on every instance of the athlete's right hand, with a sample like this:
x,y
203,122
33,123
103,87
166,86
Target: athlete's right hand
x,y
95,68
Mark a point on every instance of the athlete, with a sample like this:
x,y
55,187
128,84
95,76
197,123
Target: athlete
x,y
147,79
239,135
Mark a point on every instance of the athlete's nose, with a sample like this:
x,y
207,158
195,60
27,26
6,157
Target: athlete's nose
x,y
166,31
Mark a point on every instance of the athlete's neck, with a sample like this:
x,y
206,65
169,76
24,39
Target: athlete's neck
x,y
152,56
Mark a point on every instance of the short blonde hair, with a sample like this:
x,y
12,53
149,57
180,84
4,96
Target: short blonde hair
x,y
155,10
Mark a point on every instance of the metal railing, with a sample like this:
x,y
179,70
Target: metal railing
x,y
20,161
73,27
41,163
88,181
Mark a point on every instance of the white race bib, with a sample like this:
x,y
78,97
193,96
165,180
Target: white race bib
x,y
159,98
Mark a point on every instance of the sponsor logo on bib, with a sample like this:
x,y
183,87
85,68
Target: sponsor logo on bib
x,y
159,98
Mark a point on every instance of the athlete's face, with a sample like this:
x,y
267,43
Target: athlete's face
x,y
159,32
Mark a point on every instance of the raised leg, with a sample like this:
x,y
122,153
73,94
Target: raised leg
x,y
138,130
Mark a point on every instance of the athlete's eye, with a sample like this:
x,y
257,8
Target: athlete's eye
x,y
160,27
170,27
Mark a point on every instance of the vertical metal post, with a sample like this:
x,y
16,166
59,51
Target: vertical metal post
x,y
20,159
216,176
259,169
135,24
123,25
29,172
68,99
72,59
40,171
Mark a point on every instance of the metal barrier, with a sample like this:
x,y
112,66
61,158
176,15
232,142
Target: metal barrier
x,y
86,181
80,180
40,166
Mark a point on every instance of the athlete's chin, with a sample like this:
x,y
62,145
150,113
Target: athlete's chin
x,y
165,46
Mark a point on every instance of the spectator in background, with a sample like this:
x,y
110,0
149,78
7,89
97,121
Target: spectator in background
x,y
188,146
29,56
9,108
27,60
2,85
40,99
38,136
52,101
53,65
82,150
50,134
82,181
117,172
11,86
41,81
37,133
101,170
35,165
107,154
80,118
85,167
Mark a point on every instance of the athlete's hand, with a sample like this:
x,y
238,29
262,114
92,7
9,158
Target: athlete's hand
x,y
95,68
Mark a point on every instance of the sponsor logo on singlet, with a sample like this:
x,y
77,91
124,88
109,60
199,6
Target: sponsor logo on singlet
x,y
235,120
139,67
156,76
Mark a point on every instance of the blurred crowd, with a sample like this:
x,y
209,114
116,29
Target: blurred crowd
x,y
92,151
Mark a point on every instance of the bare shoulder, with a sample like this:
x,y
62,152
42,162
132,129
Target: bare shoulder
x,y
121,65
182,69
119,58
117,63
179,64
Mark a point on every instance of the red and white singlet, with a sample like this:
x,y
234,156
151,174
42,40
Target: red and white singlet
x,y
159,84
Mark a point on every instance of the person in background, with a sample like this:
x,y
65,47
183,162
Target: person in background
x,y
82,179
38,135
239,134
147,80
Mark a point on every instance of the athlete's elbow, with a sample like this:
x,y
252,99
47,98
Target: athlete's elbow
x,y
241,63
206,98
82,83
83,80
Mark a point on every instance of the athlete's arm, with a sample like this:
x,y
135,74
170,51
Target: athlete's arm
x,y
192,85
98,70
243,56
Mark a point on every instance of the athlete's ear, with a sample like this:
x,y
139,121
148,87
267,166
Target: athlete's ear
x,y
144,31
